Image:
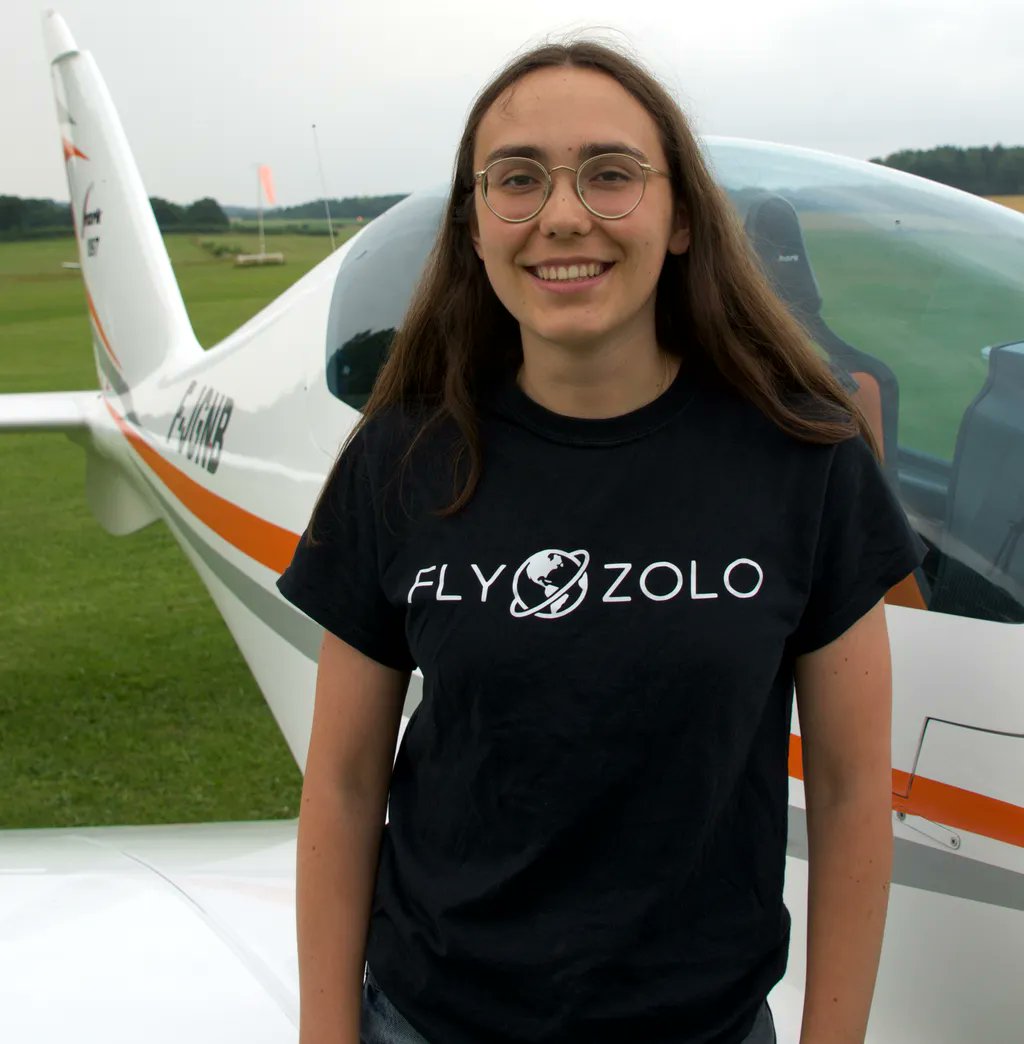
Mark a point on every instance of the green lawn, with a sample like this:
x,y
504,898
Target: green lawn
x,y
924,308
122,696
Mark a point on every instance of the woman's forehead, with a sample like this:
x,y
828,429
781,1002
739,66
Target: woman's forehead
x,y
560,111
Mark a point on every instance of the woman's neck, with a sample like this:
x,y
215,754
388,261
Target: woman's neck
x,y
595,383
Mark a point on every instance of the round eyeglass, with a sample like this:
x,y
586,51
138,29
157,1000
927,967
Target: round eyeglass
x,y
610,186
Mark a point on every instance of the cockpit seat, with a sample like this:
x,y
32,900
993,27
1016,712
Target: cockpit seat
x,y
982,569
774,230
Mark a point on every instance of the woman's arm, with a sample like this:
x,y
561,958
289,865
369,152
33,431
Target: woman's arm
x,y
344,795
844,694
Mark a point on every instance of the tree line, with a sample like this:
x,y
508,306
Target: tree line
x,y
45,218
347,209
205,215
985,170
31,218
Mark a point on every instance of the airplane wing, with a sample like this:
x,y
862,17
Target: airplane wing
x,y
47,411
114,935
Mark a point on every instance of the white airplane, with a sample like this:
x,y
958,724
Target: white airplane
x,y
169,933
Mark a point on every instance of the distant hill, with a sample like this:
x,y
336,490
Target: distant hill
x,y
985,170
347,209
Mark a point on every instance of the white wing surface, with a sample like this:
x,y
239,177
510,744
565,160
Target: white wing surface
x,y
116,935
47,411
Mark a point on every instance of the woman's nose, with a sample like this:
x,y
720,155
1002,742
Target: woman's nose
x,y
564,212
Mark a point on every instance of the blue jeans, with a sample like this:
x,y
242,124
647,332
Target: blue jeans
x,y
382,1023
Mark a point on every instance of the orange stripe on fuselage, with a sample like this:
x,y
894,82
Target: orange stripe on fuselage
x,y
99,327
261,540
942,803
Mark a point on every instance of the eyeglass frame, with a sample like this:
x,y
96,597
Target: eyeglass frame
x,y
645,169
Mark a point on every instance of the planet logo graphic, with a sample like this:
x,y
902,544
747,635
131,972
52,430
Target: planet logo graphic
x,y
550,584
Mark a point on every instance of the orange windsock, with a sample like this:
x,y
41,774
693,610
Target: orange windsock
x,y
268,184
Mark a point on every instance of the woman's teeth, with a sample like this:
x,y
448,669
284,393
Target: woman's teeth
x,y
562,273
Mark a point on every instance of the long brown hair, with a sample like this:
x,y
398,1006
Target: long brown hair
x,y
713,301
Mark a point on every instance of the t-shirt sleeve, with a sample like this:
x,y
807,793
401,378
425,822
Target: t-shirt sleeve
x,y
865,546
336,577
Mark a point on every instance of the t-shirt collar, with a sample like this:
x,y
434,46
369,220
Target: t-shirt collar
x,y
512,403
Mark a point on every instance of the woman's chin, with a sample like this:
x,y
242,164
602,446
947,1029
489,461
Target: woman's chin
x,y
570,336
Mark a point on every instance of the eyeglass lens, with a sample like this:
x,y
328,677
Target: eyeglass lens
x,y
517,188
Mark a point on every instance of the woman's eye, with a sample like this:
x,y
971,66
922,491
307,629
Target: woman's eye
x,y
609,176
519,181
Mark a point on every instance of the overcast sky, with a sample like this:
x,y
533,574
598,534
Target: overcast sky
x,y
208,88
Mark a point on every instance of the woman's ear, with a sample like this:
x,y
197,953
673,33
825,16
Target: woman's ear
x,y
679,241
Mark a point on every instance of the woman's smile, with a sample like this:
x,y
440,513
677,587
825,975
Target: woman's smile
x,y
567,277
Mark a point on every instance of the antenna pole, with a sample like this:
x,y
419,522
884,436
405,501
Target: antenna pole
x,y
259,209
323,188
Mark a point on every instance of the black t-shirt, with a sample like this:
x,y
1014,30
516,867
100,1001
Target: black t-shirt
x,y
588,811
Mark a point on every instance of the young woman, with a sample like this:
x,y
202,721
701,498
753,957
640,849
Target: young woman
x,y
612,503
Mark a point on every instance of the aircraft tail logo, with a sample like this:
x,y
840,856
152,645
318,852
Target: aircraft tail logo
x,y
138,318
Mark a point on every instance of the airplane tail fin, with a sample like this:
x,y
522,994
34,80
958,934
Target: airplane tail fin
x,y
138,318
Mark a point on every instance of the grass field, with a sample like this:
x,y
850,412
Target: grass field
x,y
122,696
1013,202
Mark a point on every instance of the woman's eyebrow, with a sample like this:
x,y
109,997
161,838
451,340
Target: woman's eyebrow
x,y
587,149
599,148
507,151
